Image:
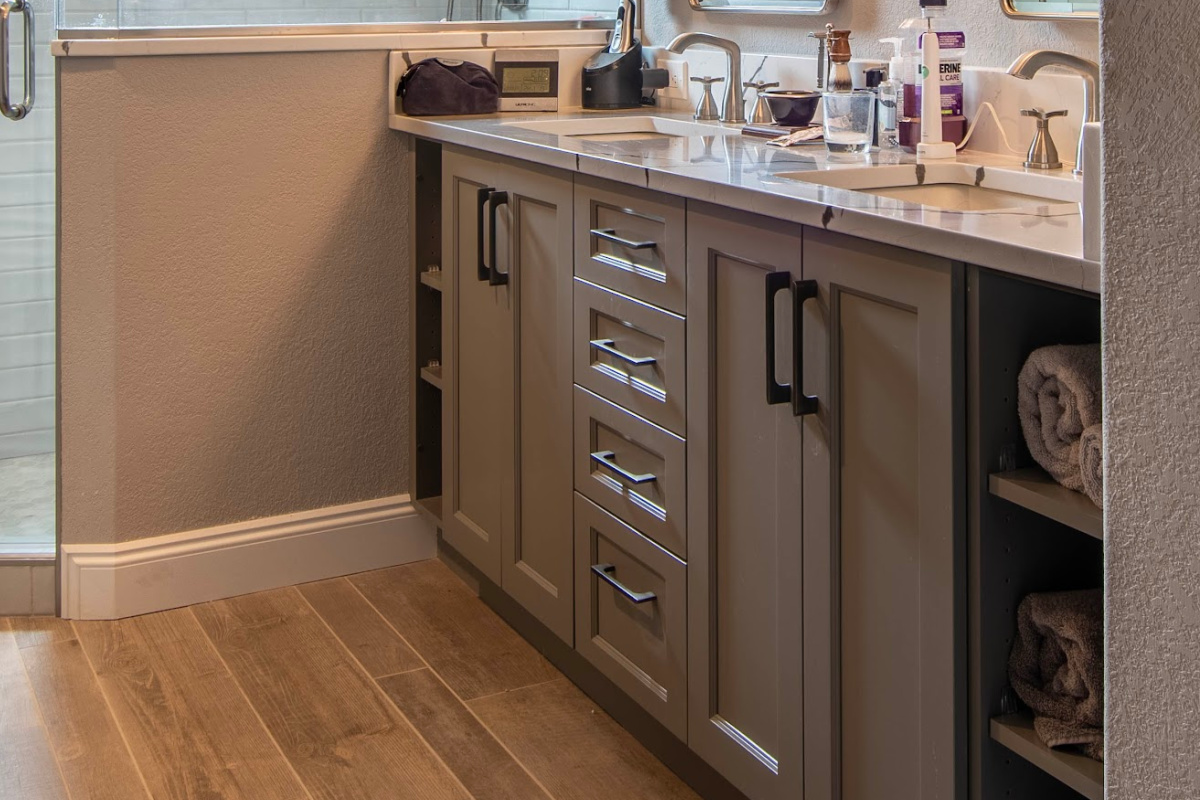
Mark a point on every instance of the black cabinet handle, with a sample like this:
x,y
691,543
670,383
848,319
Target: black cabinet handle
x,y
802,404
495,276
776,392
602,571
482,196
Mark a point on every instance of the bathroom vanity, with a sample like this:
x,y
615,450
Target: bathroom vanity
x,y
713,424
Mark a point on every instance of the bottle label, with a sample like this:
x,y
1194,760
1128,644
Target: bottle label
x,y
949,40
952,98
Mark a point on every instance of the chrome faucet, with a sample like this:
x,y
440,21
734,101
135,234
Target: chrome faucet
x,y
1032,62
732,111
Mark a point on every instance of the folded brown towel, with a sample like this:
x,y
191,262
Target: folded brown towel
x,y
1058,396
1057,667
1091,463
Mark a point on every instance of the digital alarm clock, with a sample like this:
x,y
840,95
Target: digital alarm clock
x,y
528,79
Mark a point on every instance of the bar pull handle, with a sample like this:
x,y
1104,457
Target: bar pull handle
x,y
495,276
16,111
802,404
776,392
610,235
605,459
604,573
482,198
606,346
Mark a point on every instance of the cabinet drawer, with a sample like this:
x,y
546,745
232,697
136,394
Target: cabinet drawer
x,y
631,613
631,353
632,468
631,240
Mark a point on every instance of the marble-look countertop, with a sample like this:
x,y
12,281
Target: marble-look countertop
x,y
743,172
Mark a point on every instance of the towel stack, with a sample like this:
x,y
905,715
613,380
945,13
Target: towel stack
x,y
1059,403
1057,667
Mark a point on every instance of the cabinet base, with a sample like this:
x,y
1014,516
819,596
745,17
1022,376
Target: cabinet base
x,y
668,749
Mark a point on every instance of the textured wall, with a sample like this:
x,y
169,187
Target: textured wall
x,y
233,290
1152,403
993,40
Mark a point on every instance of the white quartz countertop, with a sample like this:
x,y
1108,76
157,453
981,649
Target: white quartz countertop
x,y
743,172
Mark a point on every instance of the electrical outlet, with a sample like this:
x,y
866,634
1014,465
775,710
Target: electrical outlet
x,y
677,79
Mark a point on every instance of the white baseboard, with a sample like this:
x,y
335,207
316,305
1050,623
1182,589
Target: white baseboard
x,y
179,569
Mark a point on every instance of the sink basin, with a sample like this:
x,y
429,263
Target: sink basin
x,y
964,188
624,129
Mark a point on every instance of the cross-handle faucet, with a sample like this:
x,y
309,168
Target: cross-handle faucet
x,y
732,112
1032,62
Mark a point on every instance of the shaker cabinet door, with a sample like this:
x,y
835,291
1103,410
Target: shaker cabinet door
x,y
745,676
507,378
881,563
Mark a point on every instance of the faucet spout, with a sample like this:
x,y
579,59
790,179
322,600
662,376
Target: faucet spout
x,y
1031,63
732,112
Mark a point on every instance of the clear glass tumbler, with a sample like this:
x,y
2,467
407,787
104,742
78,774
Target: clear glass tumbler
x,y
849,121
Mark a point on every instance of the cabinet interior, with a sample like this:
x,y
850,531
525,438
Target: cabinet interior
x,y
1013,549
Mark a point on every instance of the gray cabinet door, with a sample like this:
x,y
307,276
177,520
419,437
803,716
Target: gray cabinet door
x,y
745,677
881,576
508,442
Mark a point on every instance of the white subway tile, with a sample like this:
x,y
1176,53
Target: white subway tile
x,y
26,351
30,443
22,255
19,318
20,416
26,383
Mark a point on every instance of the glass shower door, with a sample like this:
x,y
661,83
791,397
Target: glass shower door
x,y
27,282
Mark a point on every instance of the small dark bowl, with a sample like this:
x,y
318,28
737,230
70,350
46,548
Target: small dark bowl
x,y
792,108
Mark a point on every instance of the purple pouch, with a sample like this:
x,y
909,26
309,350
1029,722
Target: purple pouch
x,y
439,86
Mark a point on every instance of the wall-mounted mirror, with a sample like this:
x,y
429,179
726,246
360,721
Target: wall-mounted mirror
x,y
1052,9
766,6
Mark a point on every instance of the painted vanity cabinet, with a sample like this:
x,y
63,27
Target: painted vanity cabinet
x,y
821,514
717,454
507,504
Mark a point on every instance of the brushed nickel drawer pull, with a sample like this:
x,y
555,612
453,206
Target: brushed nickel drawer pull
x,y
602,571
605,458
606,346
610,235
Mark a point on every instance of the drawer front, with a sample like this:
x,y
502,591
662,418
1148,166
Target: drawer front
x,y
631,240
633,469
631,353
631,613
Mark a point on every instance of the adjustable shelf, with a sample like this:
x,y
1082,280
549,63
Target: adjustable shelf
x,y
1035,490
430,508
1083,774
432,376
432,278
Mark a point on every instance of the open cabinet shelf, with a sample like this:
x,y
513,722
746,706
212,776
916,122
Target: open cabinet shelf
x,y
1035,490
432,279
432,376
430,508
1083,774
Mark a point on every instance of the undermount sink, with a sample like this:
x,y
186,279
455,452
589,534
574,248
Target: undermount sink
x,y
624,129
965,188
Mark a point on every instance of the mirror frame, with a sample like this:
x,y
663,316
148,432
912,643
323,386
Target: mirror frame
x,y
750,8
1010,10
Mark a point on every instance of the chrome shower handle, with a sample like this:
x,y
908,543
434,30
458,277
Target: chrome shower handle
x,y
7,107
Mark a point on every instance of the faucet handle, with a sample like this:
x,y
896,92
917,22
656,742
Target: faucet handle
x,y
1041,114
706,109
758,86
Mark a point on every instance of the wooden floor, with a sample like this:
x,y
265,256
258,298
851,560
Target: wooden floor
x,y
393,684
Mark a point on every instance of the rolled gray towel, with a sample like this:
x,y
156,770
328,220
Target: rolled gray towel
x,y
1058,396
1091,463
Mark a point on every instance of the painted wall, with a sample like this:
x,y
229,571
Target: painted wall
x,y
1152,404
27,258
993,39
234,290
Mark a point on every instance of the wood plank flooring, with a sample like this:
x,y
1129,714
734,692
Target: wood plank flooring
x,y
394,684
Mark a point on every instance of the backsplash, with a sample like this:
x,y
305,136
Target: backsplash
x,y
981,84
